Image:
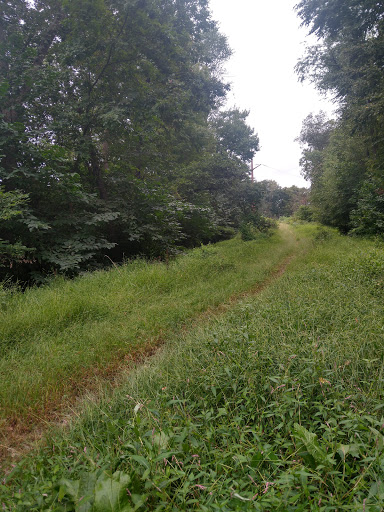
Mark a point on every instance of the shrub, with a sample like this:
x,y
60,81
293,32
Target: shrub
x,y
305,213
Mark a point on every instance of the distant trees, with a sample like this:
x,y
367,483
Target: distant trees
x,y
277,201
111,140
345,160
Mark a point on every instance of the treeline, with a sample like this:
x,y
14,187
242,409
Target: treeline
x,y
344,158
276,201
112,143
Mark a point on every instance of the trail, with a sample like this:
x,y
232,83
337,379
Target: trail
x,y
21,437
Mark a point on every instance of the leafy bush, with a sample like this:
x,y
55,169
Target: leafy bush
x,y
322,234
247,231
368,217
304,213
255,225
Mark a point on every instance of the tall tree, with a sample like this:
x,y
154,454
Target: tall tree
x,y
314,138
105,105
348,61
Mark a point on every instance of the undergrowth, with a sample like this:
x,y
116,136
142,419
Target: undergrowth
x,y
274,406
58,339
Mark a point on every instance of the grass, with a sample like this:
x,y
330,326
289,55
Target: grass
x,y
277,405
57,340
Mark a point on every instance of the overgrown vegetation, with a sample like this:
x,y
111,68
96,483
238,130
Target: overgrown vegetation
x,y
113,144
111,134
255,226
277,405
58,339
344,158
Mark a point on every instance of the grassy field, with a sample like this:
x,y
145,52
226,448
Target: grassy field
x,y
275,405
59,340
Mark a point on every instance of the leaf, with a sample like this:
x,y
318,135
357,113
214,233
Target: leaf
x,y
111,493
81,491
352,449
70,487
257,459
272,457
107,493
379,439
164,455
35,224
161,440
235,495
141,460
377,490
311,443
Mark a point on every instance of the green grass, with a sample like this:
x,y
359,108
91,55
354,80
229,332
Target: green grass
x,y
58,339
276,405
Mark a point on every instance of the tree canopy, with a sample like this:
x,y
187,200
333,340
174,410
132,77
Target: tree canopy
x,y
348,62
112,142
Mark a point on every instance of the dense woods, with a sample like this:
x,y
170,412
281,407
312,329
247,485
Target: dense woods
x,y
344,158
112,142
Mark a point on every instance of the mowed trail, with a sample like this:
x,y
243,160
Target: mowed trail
x,y
19,435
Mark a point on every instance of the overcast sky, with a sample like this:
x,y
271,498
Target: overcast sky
x,y
267,42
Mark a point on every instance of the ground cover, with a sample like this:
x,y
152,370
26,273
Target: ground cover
x,y
59,340
275,405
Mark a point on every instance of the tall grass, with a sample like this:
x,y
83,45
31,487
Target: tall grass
x,y
275,406
57,340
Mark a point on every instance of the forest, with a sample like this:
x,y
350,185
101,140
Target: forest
x,y
343,158
114,143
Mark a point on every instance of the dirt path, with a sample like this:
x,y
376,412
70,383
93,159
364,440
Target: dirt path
x,y
20,437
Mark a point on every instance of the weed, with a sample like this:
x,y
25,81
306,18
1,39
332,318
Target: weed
x,y
56,339
277,405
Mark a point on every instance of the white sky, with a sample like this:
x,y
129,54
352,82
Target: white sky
x,y
267,42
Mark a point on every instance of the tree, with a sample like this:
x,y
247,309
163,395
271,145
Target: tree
x,y
234,135
105,106
344,170
218,179
11,206
277,201
314,139
348,61
334,160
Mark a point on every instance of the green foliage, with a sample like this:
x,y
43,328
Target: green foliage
x,y
256,225
321,234
343,158
337,172
277,405
368,217
99,492
105,107
12,205
234,135
305,213
247,231
310,448
50,336
314,138
276,201
368,266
